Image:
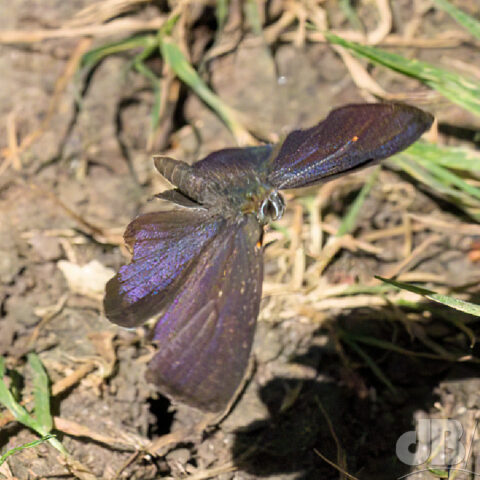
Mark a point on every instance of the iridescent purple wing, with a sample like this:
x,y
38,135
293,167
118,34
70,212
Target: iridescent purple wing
x,y
350,137
205,335
166,246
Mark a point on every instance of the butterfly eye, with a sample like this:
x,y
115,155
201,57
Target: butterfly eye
x,y
272,208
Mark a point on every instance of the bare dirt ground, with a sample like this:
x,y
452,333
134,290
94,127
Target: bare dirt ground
x,y
76,169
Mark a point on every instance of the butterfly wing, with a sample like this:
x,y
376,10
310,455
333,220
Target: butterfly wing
x,y
166,245
350,137
205,335
230,164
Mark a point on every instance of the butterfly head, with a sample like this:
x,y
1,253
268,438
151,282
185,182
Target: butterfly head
x,y
271,208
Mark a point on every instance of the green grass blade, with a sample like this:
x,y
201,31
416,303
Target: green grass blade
x,y
41,393
440,473
92,57
451,302
221,14
7,399
461,326
417,170
378,343
457,158
465,20
253,16
350,219
19,412
15,450
174,57
370,362
157,91
439,168
449,178
351,14
457,88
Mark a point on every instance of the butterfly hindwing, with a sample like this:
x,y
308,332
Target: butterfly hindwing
x,y
165,246
350,137
205,335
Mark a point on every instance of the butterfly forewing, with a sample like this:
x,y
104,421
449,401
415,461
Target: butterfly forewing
x,y
205,335
350,137
165,246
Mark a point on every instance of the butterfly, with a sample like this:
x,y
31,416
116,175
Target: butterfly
x,y
198,266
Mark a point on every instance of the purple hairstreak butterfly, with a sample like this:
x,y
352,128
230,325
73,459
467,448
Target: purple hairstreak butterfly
x,y
198,267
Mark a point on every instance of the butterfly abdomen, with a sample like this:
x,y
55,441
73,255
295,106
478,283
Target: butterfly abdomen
x,y
184,177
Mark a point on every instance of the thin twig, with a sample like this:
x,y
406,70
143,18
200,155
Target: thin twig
x,y
416,253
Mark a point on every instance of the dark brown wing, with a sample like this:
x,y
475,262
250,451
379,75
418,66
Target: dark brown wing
x,y
166,245
350,137
205,335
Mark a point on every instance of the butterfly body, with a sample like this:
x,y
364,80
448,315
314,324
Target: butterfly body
x,y
222,184
198,267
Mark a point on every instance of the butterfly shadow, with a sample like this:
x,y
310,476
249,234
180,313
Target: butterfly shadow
x,y
345,414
